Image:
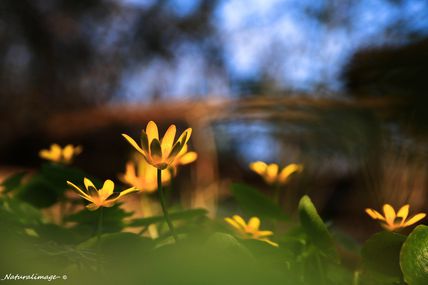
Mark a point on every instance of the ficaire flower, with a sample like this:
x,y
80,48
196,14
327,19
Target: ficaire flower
x,y
271,173
104,197
143,176
250,230
392,221
161,153
60,155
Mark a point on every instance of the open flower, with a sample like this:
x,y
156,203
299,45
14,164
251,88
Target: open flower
x,y
160,153
250,230
271,173
143,176
60,155
392,221
104,197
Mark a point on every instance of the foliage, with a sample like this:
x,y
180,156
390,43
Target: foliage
x,y
208,250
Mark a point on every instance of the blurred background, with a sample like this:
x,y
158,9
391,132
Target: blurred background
x,y
339,86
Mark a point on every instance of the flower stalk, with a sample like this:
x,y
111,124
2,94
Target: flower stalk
x,y
164,209
99,232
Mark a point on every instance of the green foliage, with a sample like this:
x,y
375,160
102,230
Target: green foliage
x,y
46,187
315,228
181,215
13,182
86,221
252,202
208,251
414,257
380,259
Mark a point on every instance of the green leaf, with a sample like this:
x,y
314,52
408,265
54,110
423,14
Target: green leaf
x,y
38,192
117,242
112,219
18,212
56,233
414,257
58,175
182,215
315,228
254,203
226,243
381,253
13,181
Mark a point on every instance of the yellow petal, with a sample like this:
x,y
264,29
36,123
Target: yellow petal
x,y
107,189
403,213
184,138
287,171
414,219
92,207
187,158
68,152
374,214
47,154
127,191
240,221
389,214
176,149
152,132
134,144
259,167
254,223
88,183
269,242
183,150
53,154
233,223
264,233
271,173
79,191
156,150
56,150
168,140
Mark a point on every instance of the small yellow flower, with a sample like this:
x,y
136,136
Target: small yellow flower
x,y
160,153
271,173
250,230
60,155
183,157
143,176
392,221
104,197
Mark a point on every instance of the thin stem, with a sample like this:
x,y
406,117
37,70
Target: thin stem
x,y
164,210
321,269
99,232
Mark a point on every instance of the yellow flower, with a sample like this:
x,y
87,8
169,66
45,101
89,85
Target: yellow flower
x,y
143,176
104,197
271,173
183,157
160,153
60,155
392,221
250,230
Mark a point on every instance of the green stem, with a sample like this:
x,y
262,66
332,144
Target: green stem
x,y
164,210
99,232
321,269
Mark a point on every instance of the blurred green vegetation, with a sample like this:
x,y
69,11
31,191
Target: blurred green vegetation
x,y
208,251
